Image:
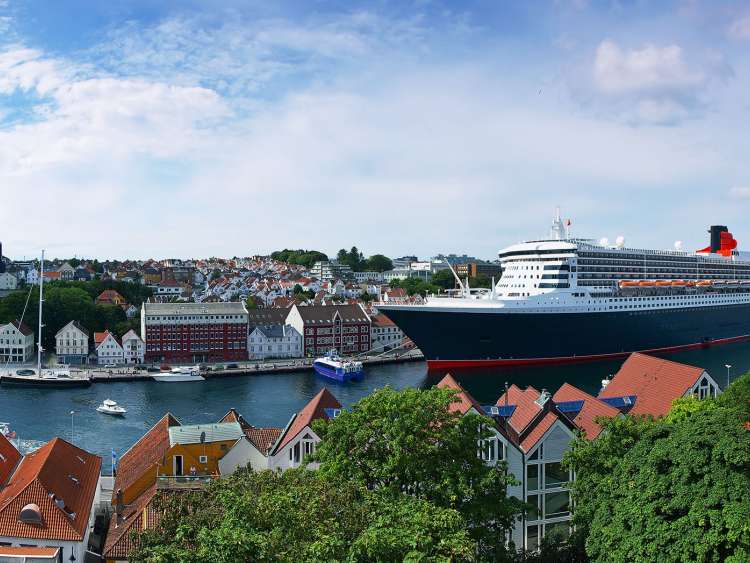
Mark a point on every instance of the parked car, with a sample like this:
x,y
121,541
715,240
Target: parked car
x,y
232,366
153,370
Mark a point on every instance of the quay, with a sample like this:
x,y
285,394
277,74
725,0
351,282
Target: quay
x,y
247,368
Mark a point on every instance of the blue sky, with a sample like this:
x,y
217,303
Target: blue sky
x,y
153,129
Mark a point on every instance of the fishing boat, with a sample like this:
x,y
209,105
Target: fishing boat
x,y
334,367
109,406
179,375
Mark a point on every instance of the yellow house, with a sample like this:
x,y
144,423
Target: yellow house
x,y
196,449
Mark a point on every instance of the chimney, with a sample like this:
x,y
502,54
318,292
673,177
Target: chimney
x,y
716,231
544,396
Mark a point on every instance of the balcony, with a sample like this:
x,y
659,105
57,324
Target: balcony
x,y
184,482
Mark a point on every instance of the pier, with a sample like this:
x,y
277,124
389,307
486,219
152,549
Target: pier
x,y
107,375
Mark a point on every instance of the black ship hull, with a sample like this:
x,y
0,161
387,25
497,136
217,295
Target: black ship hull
x,y
490,337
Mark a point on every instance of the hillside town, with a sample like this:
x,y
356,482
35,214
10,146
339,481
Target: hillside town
x,y
275,308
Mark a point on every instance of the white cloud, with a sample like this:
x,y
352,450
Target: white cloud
x,y
650,69
740,28
740,192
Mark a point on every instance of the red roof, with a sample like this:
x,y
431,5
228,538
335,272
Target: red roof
x,y
526,409
145,454
592,408
22,327
313,410
57,474
9,458
120,542
263,438
234,416
110,296
539,430
31,552
655,382
465,402
380,320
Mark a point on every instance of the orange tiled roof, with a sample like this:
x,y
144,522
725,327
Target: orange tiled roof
x,y
144,454
9,458
526,407
120,542
540,428
655,382
57,471
20,552
234,416
312,411
465,402
592,408
263,438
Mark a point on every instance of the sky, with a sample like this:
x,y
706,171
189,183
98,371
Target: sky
x,y
137,129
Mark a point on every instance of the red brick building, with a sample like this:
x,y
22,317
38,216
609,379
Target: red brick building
x,y
323,327
194,332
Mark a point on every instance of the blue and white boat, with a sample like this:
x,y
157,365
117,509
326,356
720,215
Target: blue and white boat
x,y
334,367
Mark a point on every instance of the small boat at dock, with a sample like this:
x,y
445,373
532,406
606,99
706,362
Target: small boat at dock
x,y
179,375
334,367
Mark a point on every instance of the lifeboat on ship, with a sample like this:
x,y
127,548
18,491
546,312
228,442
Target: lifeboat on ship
x,y
678,283
663,283
704,283
646,283
628,283
690,284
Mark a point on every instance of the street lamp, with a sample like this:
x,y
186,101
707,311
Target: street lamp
x,y
728,366
71,425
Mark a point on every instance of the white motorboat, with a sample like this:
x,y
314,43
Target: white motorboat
x,y
111,407
179,375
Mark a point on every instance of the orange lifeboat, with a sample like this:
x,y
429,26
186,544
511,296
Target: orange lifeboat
x,y
690,284
704,283
663,283
678,283
626,283
646,283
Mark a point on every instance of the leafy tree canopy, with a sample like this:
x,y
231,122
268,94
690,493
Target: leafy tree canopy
x,y
415,286
299,516
379,263
674,489
410,441
300,257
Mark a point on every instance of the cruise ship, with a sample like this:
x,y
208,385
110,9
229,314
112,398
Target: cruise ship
x,y
565,299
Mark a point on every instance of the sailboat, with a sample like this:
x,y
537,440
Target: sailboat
x,y
56,377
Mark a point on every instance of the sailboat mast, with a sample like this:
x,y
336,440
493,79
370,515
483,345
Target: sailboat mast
x,y
41,300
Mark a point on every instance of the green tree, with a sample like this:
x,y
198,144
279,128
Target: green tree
x,y
251,302
674,489
300,257
379,263
444,279
410,441
298,516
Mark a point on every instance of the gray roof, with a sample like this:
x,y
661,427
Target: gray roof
x,y
275,331
324,313
218,432
230,308
77,325
267,316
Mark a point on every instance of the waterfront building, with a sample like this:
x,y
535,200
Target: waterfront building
x,y
108,349
277,448
133,347
72,344
47,502
331,270
473,269
274,341
266,316
343,327
648,385
385,334
8,281
194,332
16,343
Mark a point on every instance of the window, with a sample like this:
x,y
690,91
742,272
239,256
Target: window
x,y
532,477
532,537
534,512
203,459
554,475
556,504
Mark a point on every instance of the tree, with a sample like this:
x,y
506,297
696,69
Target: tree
x,y
480,280
674,489
298,516
409,441
251,302
444,279
300,257
379,263
415,286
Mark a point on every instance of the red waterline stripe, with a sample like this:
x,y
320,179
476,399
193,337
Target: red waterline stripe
x,y
460,364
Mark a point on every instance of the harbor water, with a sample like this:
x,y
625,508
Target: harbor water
x,y
271,399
